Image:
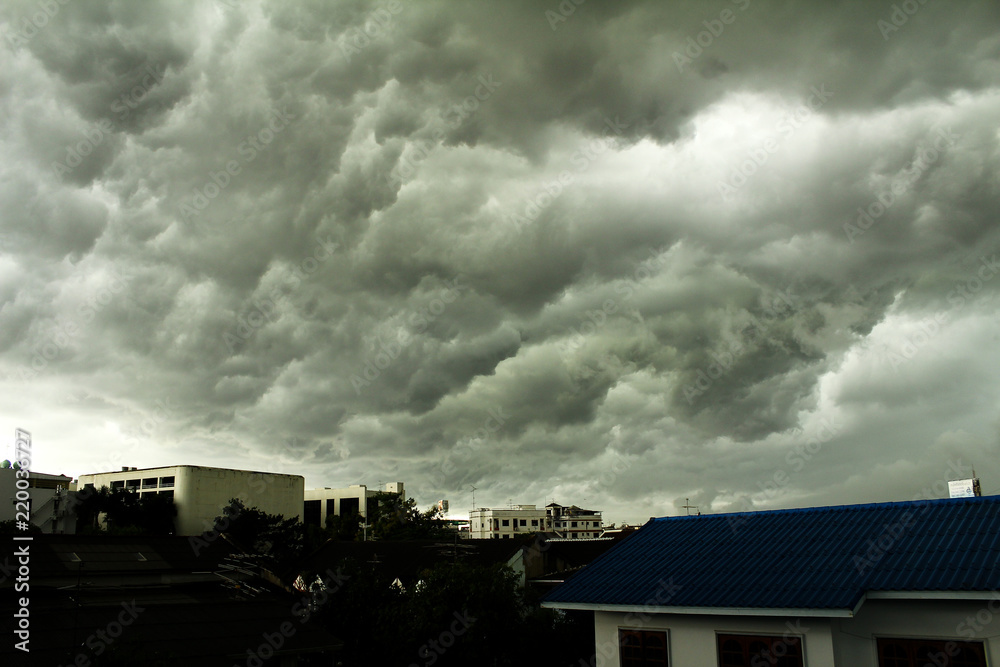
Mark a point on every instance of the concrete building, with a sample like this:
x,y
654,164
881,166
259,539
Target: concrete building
x,y
49,497
504,524
354,500
573,522
902,584
200,493
570,522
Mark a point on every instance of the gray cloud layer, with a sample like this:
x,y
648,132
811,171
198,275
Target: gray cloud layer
x,y
739,251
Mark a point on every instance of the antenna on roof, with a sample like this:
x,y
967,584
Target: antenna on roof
x,y
688,507
473,497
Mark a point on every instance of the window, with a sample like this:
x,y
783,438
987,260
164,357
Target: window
x,y
573,525
149,483
524,522
132,485
117,484
643,648
505,522
919,652
167,481
753,650
311,512
534,522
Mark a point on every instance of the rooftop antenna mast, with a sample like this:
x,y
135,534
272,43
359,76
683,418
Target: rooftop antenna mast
x,y
688,507
473,497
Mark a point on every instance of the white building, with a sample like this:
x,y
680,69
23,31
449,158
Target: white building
x,y
48,500
883,585
200,493
570,522
573,522
352,501
498,524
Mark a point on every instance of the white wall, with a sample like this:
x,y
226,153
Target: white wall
x,y
841,642
480,522
200,492
41,502
917,619
359,492
692,640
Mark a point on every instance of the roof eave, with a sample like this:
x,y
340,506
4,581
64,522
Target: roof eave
x,y
710,611
933,595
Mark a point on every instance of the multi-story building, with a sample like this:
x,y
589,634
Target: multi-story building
x,y
570,522
498,524
573,522
48,499
200,493
352,501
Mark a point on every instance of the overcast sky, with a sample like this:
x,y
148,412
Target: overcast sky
x,y
609,254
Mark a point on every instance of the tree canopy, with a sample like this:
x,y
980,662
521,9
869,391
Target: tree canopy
x,y
125,512
392,517
277,539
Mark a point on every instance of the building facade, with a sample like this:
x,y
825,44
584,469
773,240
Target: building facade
x,y
500,524
573,522
570,522
200,493
49,499
357,499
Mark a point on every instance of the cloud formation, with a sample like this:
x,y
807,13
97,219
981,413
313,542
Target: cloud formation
x,y
613,254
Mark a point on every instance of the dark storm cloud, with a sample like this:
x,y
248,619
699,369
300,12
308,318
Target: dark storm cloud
x,y
621,255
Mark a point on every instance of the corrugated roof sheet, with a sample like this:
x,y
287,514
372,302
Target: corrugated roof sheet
x,y
813,558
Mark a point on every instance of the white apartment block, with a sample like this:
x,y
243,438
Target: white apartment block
x,y
569,522
48,499
200,493
352,501
573,522
499,524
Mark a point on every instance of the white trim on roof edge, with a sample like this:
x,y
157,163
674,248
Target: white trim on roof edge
x,y
767,611
709,611
933,595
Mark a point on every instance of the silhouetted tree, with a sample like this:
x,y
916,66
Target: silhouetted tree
x,y
344,527
277,539
395,518
125,512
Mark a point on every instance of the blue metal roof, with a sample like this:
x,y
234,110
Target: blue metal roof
x,y
813,558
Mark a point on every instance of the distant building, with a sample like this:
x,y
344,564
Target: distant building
x,y
48,499
570,522
352,501
460,526
504,524
573,522
200,493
